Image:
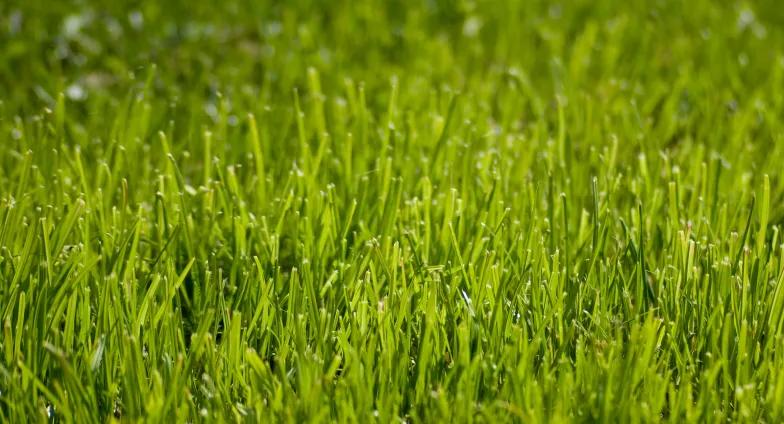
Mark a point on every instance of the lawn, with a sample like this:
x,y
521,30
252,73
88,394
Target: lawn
x,y
391,211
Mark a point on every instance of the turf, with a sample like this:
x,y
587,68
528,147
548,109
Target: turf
x,y
391,211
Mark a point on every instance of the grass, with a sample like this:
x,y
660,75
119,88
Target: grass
x,y
391,211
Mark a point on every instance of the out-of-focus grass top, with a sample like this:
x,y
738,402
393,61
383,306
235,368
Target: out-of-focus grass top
x,y
391,211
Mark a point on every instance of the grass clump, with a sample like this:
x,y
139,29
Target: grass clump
x,y
391,211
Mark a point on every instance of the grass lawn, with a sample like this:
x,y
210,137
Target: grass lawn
x,y
391,211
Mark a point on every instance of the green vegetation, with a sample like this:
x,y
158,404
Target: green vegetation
x,y
386,211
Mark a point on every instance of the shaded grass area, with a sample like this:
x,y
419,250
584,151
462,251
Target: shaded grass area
x,y
391,211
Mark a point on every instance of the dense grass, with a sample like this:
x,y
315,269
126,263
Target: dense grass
x,y
391,210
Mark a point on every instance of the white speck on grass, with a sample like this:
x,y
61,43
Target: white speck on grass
x,y
273,28
15,22
76,92
471,27
72,25
746,18
136,19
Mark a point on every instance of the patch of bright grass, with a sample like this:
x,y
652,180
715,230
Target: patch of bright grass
x,y
391,211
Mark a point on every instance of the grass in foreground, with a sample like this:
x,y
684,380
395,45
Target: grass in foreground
x,y
488,211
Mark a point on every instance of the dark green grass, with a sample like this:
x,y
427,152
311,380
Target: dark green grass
x,y
391,211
